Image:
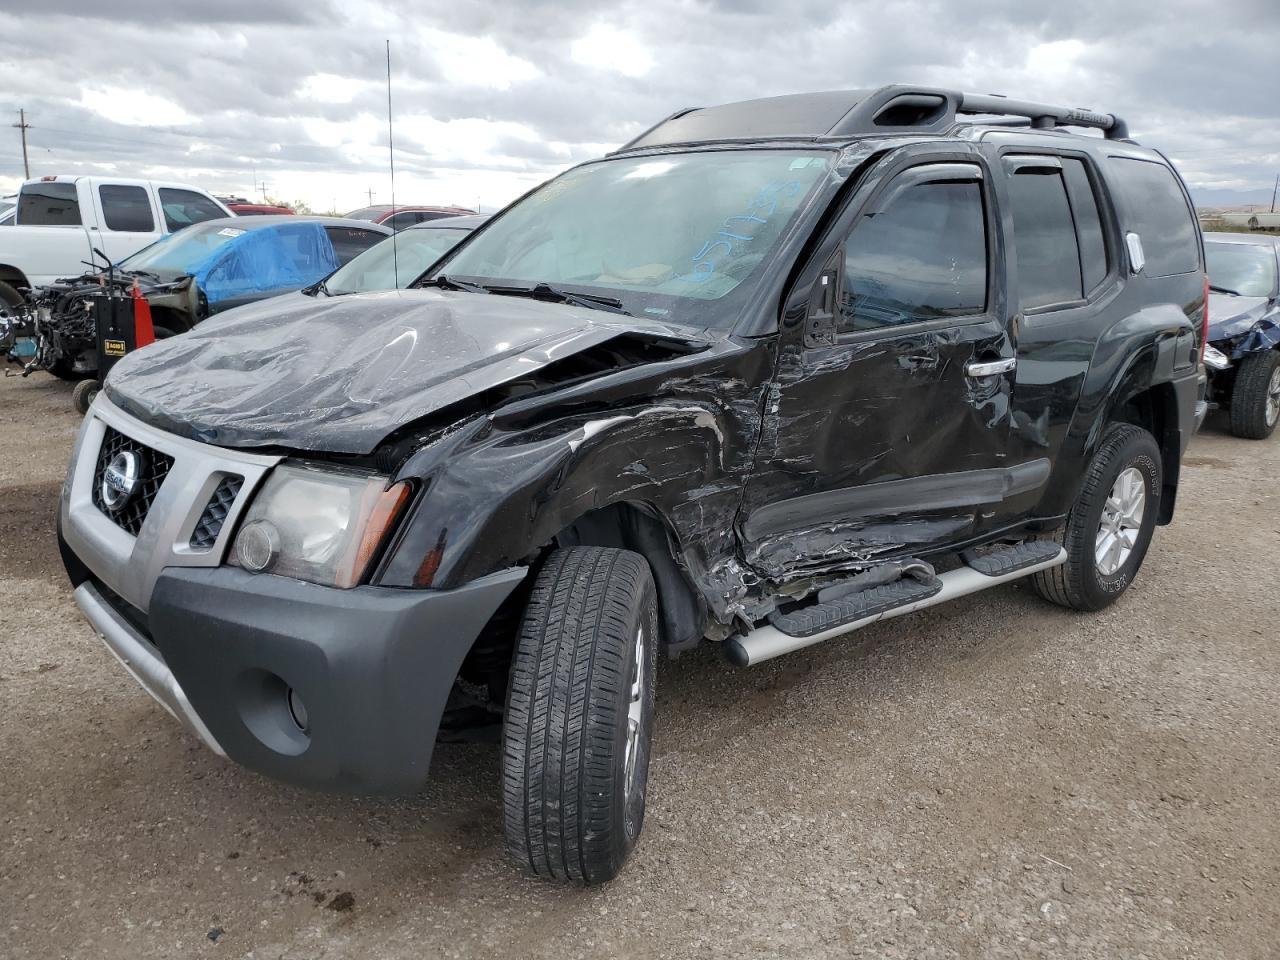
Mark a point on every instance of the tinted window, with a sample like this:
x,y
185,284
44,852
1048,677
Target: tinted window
x,y
49,205
185,207
1157,211
1084,209
401,220
1044,238
349,242
126,209
922,257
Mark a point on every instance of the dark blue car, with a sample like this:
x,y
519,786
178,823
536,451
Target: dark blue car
x,y
1243,355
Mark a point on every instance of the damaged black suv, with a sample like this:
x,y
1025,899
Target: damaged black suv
x,y
771,372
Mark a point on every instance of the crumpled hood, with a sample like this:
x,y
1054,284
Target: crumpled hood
x,y
1230,316
339,374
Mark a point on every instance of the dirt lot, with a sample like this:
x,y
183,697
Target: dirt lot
x,y
993,778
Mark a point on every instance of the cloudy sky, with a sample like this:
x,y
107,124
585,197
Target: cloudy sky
x,y
491,98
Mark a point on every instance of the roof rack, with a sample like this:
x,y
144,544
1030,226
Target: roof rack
x,y
897,108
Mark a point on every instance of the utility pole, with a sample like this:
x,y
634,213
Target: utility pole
x,y
24,127
370,192
1273,191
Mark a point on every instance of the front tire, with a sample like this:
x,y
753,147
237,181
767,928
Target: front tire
x,y
1109,528
1255,400
579,717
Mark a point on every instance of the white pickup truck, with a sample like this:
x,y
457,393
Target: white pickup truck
x,y
60,220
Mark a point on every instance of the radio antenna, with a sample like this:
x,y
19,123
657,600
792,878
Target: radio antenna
x,y
391,152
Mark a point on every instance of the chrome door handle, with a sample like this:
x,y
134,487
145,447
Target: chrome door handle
x,y
989,368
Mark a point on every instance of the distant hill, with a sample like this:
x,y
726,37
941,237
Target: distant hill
x,y
1232,198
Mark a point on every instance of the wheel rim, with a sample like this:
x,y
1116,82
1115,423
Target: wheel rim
x,y
635,713
1121,521
1273,398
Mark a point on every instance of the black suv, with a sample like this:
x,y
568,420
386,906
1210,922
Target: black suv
x,y
771,372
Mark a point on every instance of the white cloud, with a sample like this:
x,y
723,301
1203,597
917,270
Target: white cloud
x,y
608,48
133,107
478,61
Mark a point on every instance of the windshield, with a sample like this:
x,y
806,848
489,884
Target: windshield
x,y
662,234
179,252
410,254
1244,268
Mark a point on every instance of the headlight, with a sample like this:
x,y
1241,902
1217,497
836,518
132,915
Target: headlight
x,y
321,525
1214,358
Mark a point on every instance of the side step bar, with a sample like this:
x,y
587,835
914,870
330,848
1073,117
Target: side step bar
x,y
766,642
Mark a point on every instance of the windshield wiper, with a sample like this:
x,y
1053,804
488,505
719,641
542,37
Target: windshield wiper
x,y
545,291
1218,289
453,283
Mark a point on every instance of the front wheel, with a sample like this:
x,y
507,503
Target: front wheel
x,y
1255,400
1109,528
579,717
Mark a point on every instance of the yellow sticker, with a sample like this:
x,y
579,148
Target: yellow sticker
x,y
113,348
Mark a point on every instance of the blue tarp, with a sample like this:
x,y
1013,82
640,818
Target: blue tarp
x,y
274,259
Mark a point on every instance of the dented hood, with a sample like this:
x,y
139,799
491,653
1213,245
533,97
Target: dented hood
x,y
1230,316
339,374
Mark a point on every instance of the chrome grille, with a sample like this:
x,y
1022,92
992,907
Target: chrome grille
x,y
155,466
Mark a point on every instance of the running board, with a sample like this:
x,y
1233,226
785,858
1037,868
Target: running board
x,y
766,642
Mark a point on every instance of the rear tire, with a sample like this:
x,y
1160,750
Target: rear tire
x,y
1255,399
1100,568
579,717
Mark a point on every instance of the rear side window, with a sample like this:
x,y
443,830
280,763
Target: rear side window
x,y
1157,211
185,207
126,209
1084,209
350,242
49,205
922,257
1044,237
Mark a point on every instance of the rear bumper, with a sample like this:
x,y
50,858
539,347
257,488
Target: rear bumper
x,y
372,667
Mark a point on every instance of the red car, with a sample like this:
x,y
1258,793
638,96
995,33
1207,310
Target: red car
x,y
400,216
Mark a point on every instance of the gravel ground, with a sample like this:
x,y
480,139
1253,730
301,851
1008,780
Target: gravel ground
x,y
992,778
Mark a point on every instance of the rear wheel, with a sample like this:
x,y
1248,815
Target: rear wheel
x,y
1255,400
579,717
1109,528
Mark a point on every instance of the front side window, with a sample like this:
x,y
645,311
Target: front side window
x,y
49,204
1044,238
126,209
921,257
662,234
1243,269
185,207
1156,209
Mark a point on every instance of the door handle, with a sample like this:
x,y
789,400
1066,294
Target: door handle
x,y
989,368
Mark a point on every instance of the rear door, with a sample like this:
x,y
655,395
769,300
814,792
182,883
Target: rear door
x,y
126,217
888,429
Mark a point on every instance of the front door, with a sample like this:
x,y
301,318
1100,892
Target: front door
x,y
887,432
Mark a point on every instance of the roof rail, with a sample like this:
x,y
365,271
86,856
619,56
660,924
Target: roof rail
x,y
1042,115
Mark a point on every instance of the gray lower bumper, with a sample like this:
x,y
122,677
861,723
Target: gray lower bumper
x,y
142,662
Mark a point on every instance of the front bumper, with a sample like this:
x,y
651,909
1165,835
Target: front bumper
x,y
238,657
